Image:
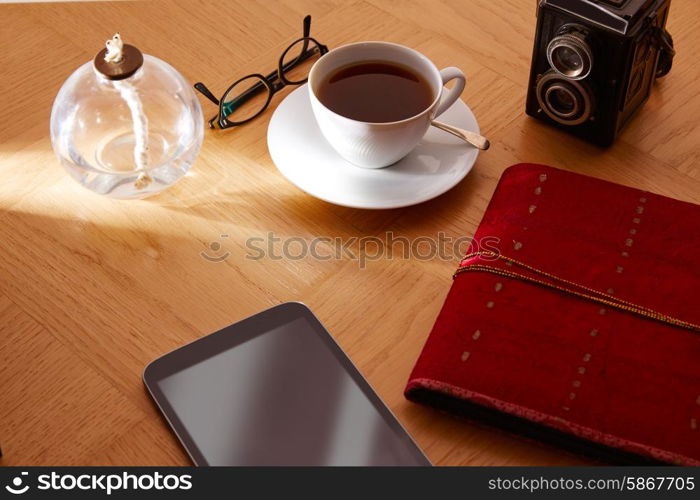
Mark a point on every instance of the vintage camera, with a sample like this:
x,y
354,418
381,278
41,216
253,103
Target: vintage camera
x,y
594,63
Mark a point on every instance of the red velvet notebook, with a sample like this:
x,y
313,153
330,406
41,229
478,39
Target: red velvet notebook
x,y
574,318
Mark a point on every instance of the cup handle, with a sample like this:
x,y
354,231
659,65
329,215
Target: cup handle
x,y
450,96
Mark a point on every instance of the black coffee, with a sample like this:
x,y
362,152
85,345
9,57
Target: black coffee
x,y
375,91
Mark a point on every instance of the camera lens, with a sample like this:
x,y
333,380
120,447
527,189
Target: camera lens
x,y
570,56
562,101
565,101
567,59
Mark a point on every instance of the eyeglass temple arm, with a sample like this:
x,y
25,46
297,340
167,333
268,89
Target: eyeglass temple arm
x,y
307,32
206,92
307,25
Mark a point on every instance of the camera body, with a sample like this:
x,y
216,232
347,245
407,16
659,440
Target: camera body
x,y
594,63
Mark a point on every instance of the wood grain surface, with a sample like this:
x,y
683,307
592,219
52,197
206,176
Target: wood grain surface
x,y
92,289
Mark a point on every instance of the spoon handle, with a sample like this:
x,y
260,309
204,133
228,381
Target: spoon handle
x,y
476,140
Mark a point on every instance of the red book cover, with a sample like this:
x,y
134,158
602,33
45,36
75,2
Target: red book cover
x,y
573,318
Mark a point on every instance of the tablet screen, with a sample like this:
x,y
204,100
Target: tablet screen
x,y
286,396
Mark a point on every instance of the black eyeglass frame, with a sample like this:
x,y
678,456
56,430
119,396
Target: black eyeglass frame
x,y
273,82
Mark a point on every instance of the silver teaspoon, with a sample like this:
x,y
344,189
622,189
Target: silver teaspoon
x,y
476,140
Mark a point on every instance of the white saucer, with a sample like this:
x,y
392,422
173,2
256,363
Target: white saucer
x,y
303,156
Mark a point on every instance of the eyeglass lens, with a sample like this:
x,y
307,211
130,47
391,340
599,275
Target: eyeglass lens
x,y
245,99
298,59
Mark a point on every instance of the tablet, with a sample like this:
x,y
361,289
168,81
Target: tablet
x,y
275,389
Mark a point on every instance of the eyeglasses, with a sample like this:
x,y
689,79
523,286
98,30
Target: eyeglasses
x,y
249,96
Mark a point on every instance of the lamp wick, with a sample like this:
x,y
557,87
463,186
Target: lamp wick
x,y
115,48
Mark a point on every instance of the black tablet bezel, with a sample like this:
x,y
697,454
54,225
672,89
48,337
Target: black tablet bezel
x,y
237,333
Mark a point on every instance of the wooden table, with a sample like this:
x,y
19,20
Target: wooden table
x,y
92,289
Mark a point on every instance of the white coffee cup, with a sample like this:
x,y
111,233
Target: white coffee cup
x,y
377,145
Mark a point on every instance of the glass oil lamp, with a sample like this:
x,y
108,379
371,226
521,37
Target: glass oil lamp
x,y
126,125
